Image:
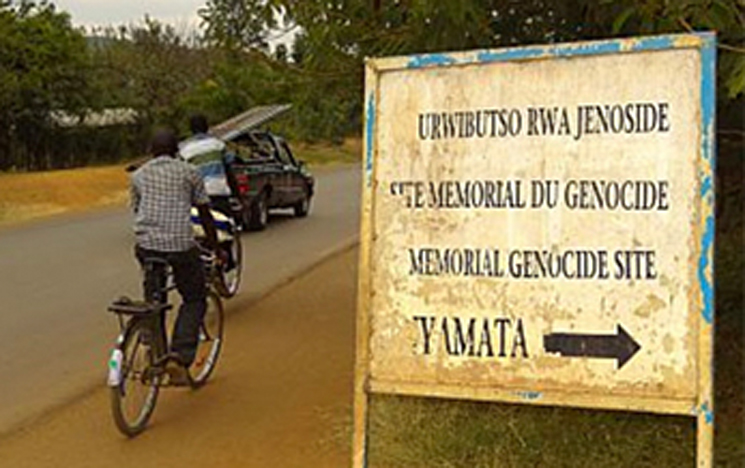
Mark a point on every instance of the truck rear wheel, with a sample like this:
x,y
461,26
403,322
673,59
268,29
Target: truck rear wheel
x,y
302,207
259,213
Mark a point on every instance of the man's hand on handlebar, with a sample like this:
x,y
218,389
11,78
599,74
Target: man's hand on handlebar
x,y
219,255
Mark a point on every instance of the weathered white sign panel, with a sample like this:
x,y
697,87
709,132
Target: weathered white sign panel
x,y
537,225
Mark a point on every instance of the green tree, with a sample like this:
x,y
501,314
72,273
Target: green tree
x,y
239,24
236,83
334,36
150,67
43,68
337,35
726,17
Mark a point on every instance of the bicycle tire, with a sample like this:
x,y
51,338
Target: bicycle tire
x,y
210,342
227,286
136,334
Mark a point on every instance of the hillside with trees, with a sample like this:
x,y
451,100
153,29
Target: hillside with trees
x,y
160,75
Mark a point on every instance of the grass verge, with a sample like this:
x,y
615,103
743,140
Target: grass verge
x,y
409,432
324,154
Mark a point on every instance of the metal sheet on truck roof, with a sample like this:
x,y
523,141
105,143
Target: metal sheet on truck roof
x,y
252,118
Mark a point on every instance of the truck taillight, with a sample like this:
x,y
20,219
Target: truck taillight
x,y
242,182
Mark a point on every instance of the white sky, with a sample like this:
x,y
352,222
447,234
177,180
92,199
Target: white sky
x,y
180,13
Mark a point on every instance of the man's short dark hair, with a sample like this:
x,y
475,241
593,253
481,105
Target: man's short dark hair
x,y
198,124
164,142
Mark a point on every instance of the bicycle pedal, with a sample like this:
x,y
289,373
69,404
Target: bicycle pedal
x,y
153,374
177,377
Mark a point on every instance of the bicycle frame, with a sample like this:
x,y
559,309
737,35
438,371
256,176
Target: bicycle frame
x,y
160,295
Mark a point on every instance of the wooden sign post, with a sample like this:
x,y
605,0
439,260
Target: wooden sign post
x,y
538,227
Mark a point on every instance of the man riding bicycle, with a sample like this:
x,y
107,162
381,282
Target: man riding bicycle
x,y
163,191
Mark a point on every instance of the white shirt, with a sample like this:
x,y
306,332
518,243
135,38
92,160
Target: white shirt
x,y
207,153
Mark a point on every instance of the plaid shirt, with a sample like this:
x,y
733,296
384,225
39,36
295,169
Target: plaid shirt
x,y
162,193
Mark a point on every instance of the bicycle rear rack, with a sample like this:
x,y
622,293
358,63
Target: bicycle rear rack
x,y
125,305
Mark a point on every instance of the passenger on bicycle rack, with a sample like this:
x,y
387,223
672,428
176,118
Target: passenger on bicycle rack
x,y
211,157
163,191
225,230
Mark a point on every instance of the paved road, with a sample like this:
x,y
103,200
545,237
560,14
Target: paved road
x,y
57,277
281,395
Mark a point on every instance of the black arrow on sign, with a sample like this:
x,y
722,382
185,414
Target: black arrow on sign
x,y
620,346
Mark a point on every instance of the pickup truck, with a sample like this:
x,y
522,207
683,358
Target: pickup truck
x,y
267,175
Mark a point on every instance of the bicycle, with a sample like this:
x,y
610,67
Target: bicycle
x,y
227,281
137,367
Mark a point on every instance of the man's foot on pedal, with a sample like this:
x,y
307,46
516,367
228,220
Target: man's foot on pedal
x,y
177,373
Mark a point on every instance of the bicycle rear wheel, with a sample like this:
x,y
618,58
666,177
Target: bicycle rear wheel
x,y
133,399
210,342
227,282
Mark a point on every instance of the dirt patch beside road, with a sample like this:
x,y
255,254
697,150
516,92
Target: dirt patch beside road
x,y
36,195
280,397
26,196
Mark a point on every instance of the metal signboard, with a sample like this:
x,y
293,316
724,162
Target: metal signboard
x,y
538,227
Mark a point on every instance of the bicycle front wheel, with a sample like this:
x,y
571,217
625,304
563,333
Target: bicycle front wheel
x,y
228,277
133,399
210,342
